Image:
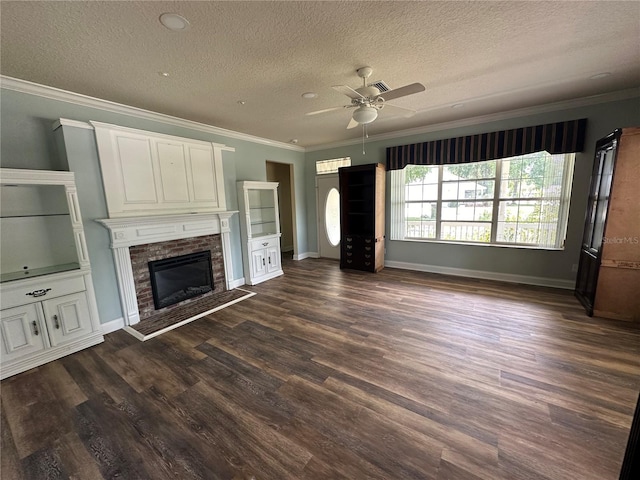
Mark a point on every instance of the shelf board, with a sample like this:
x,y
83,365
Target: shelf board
x,y
37,215
37,272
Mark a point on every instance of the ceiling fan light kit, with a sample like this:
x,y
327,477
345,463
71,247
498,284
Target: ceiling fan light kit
x,y
365,114
369,99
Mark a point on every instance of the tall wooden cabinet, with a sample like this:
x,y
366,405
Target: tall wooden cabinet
x,y
362,190
260,230
48,302
609,268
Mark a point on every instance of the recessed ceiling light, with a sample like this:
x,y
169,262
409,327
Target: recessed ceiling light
x,y
163,74
598,76
241,102
174,22
310,95
457,105
293,140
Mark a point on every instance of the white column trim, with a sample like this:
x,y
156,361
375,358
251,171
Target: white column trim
x,y
126,285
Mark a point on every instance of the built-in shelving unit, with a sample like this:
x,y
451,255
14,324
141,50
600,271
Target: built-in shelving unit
x,y
48,301
362,190
260,229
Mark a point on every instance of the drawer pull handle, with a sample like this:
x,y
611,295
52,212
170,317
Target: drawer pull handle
x,y
367,240
349,254
349,239
348,261
39,293
368,249
263,262
35,328
55,321
367,263
349,247
367,256
265,244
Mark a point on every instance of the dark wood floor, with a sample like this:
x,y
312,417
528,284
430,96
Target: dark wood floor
x,y
329,374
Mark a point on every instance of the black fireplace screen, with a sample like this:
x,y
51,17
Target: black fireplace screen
x,y
178,278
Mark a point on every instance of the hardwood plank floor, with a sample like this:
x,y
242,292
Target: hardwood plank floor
x,y
330,374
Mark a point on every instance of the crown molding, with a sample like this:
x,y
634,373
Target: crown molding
x,y
493,117
24,86
71,123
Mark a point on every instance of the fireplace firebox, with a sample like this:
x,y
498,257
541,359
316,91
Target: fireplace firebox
x,y
176,279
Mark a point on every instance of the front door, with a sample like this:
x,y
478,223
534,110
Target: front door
x,y
328,202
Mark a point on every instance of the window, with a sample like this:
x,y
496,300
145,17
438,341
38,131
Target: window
x,y
520,200
332,166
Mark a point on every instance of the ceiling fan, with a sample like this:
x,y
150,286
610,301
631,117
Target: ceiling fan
x,y
369,99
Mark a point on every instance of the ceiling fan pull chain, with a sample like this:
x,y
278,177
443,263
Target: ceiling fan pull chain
x,y
364,127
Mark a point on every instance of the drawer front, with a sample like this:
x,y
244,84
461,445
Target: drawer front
x,y
265,243
39,291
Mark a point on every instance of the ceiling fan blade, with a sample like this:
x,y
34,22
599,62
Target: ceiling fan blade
x,y
398,111
402,91
352,124
348,91
328,110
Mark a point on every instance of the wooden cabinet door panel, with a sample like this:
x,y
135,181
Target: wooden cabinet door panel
x,y
135,162
172,164
21,332
203,175
259,263
273,259
67,318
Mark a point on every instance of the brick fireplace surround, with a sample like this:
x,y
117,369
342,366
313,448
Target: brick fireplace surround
x,y
137,240
141,255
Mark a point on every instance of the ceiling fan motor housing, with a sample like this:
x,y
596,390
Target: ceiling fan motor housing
x,y
368,92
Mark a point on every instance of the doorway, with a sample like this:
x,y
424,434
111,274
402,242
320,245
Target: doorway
x,y
328,202
283,174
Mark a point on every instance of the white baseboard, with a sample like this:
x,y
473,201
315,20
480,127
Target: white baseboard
x,y
112,326
304,255
238,282
502,277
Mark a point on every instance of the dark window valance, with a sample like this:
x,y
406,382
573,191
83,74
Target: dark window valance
x,y
562,137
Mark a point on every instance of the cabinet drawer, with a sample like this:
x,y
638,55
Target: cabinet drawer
x,y
38,291
264,243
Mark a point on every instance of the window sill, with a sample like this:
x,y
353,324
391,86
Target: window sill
x,y
478,244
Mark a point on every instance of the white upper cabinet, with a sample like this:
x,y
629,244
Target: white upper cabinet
x,y
147,173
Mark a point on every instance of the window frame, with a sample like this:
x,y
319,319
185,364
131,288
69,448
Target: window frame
x,y
398,228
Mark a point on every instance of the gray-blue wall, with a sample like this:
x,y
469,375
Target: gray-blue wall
x,y
28,141
544,264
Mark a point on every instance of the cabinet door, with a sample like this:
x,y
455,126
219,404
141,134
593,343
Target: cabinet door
x,y
273,259
135,168
203,176
172,164
21,332
259,263
67,318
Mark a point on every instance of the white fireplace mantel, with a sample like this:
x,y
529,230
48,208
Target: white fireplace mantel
x,y
130,231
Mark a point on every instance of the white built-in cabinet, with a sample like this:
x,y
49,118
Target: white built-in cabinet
x,y
147,173
260,230
48,301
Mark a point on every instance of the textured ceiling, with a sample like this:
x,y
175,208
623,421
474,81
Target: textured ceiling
x,y
490,56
